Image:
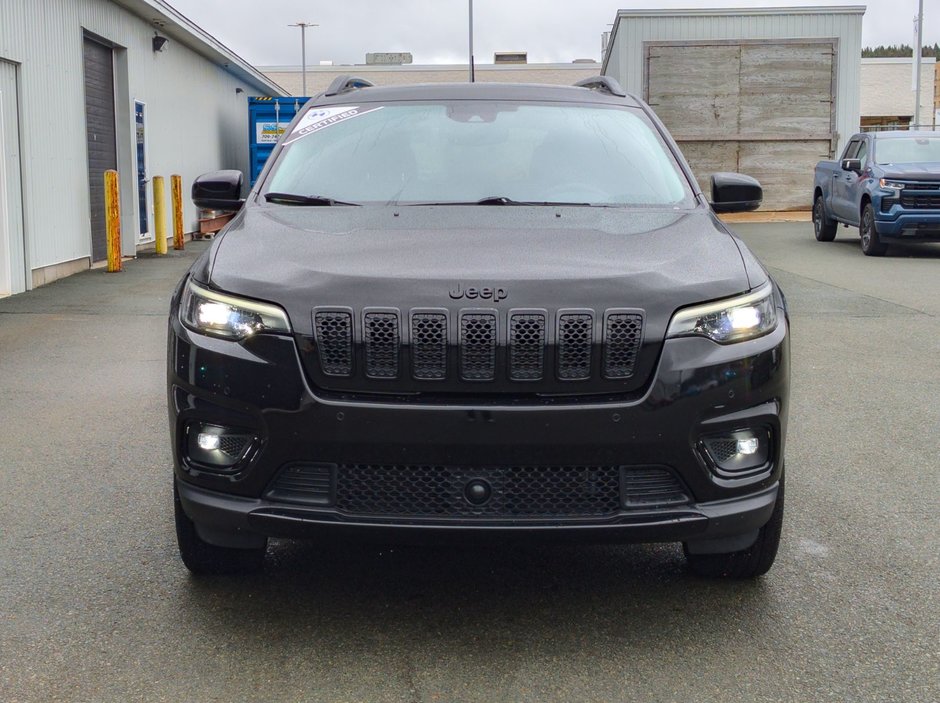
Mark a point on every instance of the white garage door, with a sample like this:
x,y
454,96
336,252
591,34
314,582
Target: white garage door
x,y
761,108
12,262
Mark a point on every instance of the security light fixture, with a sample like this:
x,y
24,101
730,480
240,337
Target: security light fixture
x,y
159,43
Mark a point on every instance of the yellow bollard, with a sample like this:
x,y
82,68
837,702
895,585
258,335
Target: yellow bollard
x,y
159,213
176,184
112,217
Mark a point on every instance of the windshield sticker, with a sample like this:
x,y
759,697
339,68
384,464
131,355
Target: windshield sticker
x,y
315,120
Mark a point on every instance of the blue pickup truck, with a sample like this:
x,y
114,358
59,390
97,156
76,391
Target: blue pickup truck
x,y
887,184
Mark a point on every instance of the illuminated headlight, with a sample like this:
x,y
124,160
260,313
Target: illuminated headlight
x,y
221,315
727,321
888,184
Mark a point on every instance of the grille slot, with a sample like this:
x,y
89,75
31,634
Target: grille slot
x,y
623,333
333,331
517,492
382,341
575,338
650,487
526,346
429,345
309,484
478,346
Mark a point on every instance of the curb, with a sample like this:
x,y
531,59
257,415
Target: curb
x,y
768,216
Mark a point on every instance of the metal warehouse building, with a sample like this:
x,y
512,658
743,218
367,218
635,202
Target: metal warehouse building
x,y
767,92
87,85
319,77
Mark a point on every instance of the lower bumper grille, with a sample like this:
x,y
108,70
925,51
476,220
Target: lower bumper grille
x,y
507,492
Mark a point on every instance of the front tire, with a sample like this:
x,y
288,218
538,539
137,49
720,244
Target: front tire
x,y
871,242
202,558
824,228
748,563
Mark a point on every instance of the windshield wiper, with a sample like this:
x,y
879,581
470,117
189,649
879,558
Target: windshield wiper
x,y
503,200
295,199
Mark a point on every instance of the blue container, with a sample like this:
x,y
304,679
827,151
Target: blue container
x,y
267,120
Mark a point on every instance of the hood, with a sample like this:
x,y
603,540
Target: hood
x,y
929,171
301,258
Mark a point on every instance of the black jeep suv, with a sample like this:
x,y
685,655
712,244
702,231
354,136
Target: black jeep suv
x,y
477,310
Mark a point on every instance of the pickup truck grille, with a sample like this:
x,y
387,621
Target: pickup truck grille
x,y
921,195
525,348
920,201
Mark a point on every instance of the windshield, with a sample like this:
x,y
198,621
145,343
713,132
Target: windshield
x,y
908,150
468,151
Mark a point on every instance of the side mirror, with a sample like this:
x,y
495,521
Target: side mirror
x,y
852,165
735,192
219,190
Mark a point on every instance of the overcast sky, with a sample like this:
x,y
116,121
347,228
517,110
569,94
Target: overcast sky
x,y
435,31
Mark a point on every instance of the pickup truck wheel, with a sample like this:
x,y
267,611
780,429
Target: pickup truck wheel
x,y
748,563
871,243
824,227
202,558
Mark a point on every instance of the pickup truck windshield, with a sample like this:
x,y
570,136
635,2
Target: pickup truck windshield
x,y
479,152
908,150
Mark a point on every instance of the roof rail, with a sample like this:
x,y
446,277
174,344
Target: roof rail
x,y
604,84
343,84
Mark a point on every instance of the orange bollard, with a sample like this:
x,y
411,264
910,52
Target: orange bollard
x,y
159,214
176,184
112,216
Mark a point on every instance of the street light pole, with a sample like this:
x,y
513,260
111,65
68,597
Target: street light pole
x,y
303,50
918,44
471,42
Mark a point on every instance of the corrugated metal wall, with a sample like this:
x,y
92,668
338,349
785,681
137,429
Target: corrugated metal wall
x,y
626,59
196,121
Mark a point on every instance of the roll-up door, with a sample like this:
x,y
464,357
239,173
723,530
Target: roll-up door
x,y
761,108
12,244
100,126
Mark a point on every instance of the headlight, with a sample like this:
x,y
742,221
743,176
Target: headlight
x,y
220,315
733,320
891,185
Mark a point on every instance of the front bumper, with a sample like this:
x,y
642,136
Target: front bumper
x,y
232,521
908,225
699,388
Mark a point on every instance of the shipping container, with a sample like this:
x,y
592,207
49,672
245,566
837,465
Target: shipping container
x,y
267,120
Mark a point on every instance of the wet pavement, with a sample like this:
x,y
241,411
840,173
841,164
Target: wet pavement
x,y
96,606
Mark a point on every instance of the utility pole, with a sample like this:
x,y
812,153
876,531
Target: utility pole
x,y
471,42
918,50
303,49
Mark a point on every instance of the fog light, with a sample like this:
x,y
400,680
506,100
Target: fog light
x,y
737,453
217,447
208,441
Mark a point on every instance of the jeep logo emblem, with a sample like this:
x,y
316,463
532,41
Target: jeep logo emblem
x,y
494,294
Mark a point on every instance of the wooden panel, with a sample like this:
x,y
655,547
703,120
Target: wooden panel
x,y
695,89
786,88
706,158
761,108
784,169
